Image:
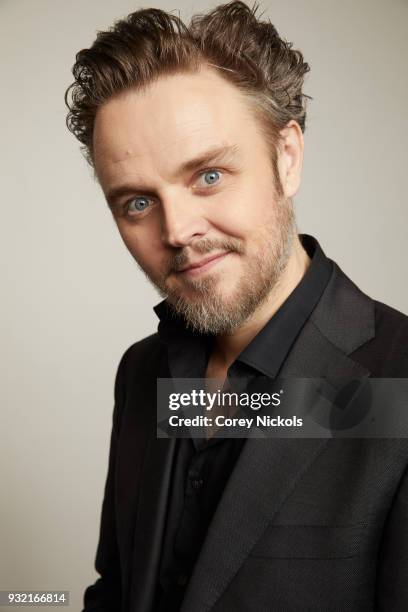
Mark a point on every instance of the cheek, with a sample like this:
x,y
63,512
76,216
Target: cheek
x,y
130,238
246,211
230,215
144,246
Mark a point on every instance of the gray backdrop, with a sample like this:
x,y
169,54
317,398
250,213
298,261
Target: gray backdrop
x,y
73,300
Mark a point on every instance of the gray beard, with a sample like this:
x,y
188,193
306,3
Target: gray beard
x,y
209,312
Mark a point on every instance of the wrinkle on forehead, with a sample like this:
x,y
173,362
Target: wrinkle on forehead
x,y
138,129
153,156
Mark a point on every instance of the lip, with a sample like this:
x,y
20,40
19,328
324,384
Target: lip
x,y
203,264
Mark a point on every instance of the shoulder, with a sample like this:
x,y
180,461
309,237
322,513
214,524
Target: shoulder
x,y
139,361
143,350
371,333
392,323
386,354
142,353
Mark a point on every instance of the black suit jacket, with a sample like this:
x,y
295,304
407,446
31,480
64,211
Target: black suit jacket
x,y
303,524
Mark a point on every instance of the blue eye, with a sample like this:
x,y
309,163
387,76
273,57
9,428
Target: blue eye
x,y
211,177
138,204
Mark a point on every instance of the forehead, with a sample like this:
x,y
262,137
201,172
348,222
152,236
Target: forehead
x,y
170,121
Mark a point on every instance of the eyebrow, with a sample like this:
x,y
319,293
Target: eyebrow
x,y
216,155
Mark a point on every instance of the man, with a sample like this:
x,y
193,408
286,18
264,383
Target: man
x,y
195,135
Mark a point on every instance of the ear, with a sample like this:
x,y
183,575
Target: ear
x,y
290,158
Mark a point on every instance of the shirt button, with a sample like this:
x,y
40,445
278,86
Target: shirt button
x,y
197,483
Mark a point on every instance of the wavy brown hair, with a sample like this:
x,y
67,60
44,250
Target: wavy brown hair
x,y
151,43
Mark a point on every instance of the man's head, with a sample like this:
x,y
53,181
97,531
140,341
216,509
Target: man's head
x,y
195,135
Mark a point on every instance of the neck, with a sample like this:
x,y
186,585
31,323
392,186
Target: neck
x,y
228,346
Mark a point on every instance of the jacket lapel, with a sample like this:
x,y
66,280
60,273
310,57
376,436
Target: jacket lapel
x,y
268,470
143,487
150,521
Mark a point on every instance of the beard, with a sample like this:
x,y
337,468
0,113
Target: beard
x,y
203,307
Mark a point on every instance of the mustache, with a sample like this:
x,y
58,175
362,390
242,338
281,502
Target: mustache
x,y
202,247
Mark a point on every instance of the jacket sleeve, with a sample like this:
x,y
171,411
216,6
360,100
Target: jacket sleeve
x,y
105,594
392,579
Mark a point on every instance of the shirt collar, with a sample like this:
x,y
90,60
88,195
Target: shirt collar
x,y
270,347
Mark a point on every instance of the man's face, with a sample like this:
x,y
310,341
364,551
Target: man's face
x,y
187,173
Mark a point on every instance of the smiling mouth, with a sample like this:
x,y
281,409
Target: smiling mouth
x,y
203,265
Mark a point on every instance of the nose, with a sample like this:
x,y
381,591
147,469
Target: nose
x,y
182,221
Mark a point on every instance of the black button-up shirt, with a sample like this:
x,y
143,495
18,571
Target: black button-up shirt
x,y
202,468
